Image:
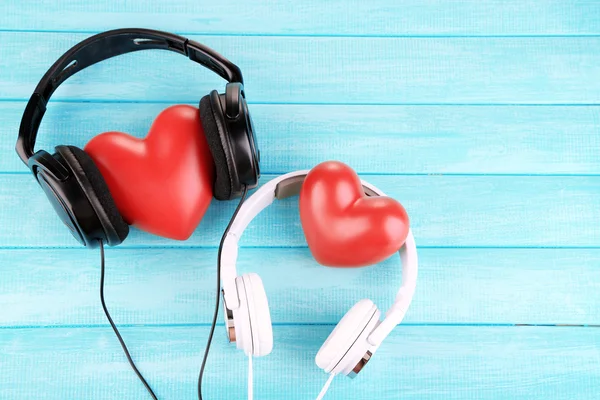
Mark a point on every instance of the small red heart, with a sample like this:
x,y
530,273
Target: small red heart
x,y
343,226
161,184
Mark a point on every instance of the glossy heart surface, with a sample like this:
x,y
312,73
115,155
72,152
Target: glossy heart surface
x,y
163,183
343,226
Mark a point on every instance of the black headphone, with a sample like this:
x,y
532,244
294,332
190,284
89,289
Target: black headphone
x,y
69,177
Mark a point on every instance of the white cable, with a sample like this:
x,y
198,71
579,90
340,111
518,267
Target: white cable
x,y
250,388
326,387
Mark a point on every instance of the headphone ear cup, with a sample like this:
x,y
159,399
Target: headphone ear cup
x,y
215,131
252,320
95,189
261,315
347,343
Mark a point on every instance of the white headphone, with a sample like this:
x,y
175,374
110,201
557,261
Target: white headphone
x,y
248,320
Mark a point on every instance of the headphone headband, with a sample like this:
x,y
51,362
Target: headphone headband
x,y
101,47
289,185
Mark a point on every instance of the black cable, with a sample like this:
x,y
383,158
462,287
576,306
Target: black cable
x,y
218,302
137,372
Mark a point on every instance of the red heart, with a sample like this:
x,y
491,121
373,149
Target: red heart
x,y
344,227
162,184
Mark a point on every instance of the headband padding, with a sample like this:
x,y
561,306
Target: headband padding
x,y
92,182
218,143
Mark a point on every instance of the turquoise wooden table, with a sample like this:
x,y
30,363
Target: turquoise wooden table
x,y
482,117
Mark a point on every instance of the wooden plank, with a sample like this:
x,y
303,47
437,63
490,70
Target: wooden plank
x,y
415,362
311,17
560,70
424,139
448,211
177,286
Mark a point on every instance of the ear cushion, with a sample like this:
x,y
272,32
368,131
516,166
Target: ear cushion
x,y
92,182
358,350
218,142
260,315
254,332
345,334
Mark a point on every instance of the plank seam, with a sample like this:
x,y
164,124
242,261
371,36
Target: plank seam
x,y
289,103
440,174
286,324
191,247
326,35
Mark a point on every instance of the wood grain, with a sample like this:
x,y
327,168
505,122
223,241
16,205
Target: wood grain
x,y
481,116
560,70
486,363
422,139
311,17
177,286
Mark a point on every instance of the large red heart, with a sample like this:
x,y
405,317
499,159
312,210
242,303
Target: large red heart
x,y
344,227
161,184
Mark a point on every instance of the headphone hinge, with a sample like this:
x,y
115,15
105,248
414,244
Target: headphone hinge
x,y
231,300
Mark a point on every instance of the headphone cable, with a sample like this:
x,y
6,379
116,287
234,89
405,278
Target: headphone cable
x,y
218,297
326,386
114,327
